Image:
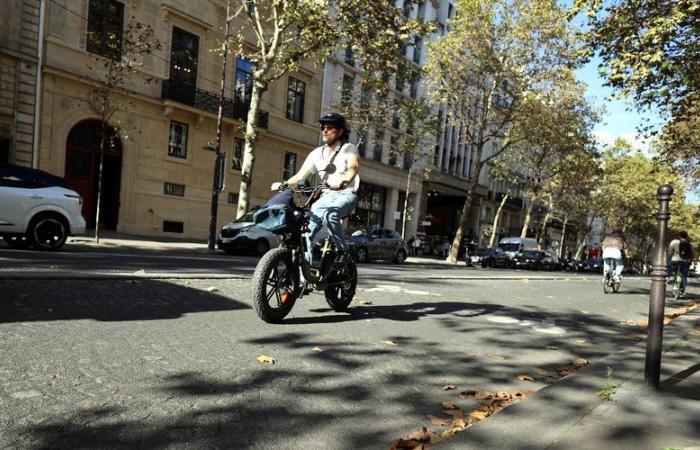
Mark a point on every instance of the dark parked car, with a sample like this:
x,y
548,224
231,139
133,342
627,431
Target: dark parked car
x,y
532,259
591,265
495,257
476,255
378,243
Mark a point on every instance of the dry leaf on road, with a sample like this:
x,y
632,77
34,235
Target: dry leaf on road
x,y
449,387
480,415
525,377
581,341
266,359
449,405
455,413
437,420
389,342
212,289
316,349
495,357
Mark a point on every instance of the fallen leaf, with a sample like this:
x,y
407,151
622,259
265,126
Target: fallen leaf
x,y
480,415
581,341
564,371
437,420
549,380
495,357
449,387
316,349
468,392
581,362
449,405
459,424
389,342
635,337
266,359
455,413
366,302
525,377
213,289
542,372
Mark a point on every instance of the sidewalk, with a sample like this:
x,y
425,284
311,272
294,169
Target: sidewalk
x,y
570,415
110,240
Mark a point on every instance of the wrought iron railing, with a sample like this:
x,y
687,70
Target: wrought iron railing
x,y
208,101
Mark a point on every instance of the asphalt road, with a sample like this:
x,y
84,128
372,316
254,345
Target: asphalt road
x,y
146,363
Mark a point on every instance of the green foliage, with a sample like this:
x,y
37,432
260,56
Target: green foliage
x,y
608,389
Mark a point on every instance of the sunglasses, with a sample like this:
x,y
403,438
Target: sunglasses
x,y
328,127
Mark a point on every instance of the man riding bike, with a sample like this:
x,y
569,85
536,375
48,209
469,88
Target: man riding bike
x,y
613,247
680,255
338,163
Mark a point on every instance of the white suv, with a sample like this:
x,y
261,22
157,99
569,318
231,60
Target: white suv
x,y
37,208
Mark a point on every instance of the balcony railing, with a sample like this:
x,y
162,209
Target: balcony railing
x,y
208,101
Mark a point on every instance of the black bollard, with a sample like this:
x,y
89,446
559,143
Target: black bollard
x,y
657,297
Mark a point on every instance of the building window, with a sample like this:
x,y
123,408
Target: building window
x,y
237,161
105,28
346,92
362,143
243,89
184,56
393,150
395,122
290,165
378,148
370,207
295,100
417,47
170,226
421,10
415,81
407,161
232,198
177,143
349,56
177,190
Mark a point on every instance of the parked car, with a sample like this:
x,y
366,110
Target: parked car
x,y
591,265
495,257
477,254
37,209
551,260
378,243
530,259
513,245
242,236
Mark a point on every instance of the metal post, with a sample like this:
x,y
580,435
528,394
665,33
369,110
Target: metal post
x,y
652,370
217,145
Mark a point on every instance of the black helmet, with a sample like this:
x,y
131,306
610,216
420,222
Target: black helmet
x,y
335,119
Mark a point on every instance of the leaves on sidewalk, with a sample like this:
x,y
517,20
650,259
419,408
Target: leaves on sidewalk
x,y
212,289
437,420
449,387
418,440
266,359
525,377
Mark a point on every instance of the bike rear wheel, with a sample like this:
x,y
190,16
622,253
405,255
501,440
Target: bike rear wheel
x,y
616,286
275,285
339,296
606,283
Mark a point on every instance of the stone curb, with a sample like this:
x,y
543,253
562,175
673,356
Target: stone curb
x,y
541,419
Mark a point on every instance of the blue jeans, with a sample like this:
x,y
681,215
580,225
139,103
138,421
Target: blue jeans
x,y
329,210
619,265
684,266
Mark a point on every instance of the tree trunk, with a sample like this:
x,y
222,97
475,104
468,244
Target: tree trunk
x,y
100,170
543,229
496,219
579,247
563,237
251,137
528,217
466,210
405,204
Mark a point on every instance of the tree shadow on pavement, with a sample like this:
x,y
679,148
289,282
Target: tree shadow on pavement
x,y
105,300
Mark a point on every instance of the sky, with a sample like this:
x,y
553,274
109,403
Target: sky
x,y
620,119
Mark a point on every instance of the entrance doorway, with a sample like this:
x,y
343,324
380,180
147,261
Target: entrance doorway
x,y
82,171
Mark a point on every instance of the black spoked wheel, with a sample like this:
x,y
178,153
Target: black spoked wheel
x,y
274,285
48,232
340,295
361,255
400,257
606,283
616,285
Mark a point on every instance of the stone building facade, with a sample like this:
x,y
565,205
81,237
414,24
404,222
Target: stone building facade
x,y
157,176
19,60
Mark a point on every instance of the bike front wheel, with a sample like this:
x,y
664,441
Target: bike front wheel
x,y
342,291
606,283
275,285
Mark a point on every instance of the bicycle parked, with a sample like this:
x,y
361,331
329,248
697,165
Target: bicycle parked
x,y
611,282
277,282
